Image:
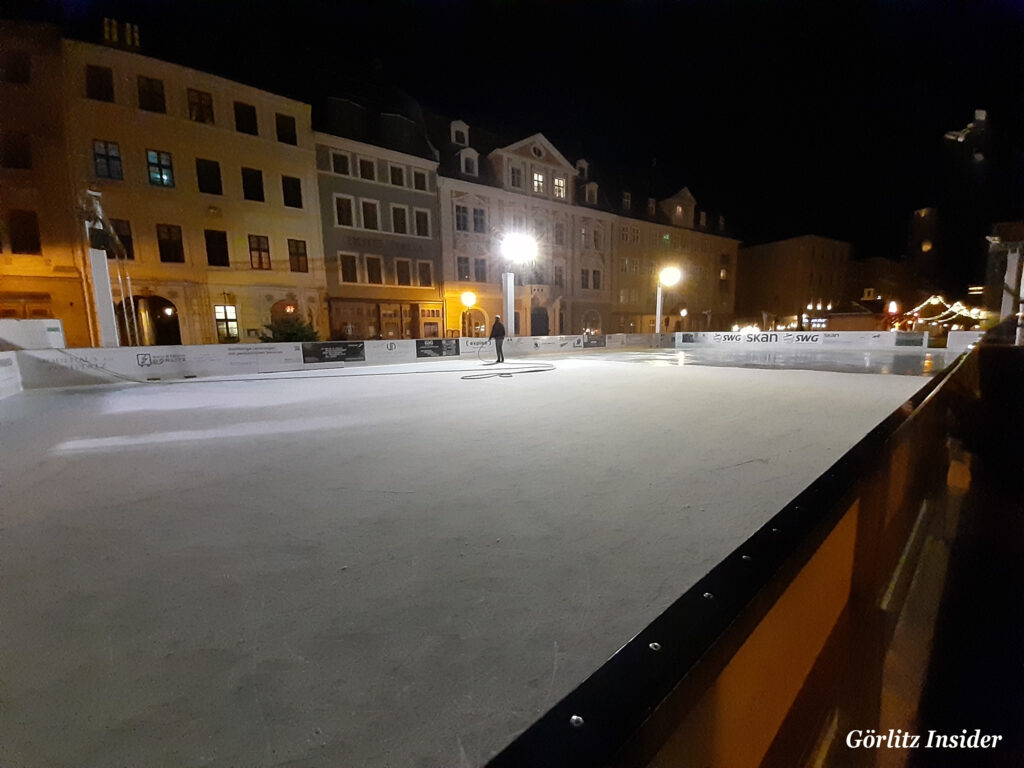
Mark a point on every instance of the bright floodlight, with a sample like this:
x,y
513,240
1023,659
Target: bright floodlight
x,y
669,276
893,308
683,312
468,299
518,248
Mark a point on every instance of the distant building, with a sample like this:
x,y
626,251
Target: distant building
x,y
782,282
382,247
209,185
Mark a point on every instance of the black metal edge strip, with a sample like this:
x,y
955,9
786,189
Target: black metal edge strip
x,y
591,725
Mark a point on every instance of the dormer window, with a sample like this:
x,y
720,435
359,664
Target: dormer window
x,y
627,201
650,206
703,220
679,210
537,151
582,168
590,193
468,161
559,187
515,177
460,133
538,182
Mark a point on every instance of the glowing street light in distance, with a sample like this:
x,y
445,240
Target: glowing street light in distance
x,y
468,299
669,276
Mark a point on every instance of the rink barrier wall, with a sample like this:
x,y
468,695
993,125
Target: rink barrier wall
x,y
958,342
10,375
104,365
780,650
803,339
31,334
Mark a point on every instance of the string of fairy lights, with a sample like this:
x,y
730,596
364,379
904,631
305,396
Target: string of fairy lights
x,y
947,314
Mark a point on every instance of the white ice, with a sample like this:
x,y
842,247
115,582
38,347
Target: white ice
x,y
367,568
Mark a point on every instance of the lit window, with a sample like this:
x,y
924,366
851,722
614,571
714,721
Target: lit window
x,y
538,182
161,169
560,187
227,323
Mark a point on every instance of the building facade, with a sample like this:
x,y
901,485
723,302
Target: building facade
x,y
209,185
782,282
381,241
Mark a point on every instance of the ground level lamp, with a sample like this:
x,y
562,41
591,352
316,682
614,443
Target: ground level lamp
x,y
516,248
468,299
668,277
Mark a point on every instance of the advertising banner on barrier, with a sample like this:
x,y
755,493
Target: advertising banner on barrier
x,y
437,347
10,378
525,345
593,341
846,339
391,351
332,351
911,339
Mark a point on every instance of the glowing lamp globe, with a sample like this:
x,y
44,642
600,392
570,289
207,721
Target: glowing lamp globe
x,y
669,276
518,248
468,299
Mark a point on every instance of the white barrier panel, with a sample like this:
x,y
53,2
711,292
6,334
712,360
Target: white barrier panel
x,y
808,339
32,334
959,341
10,377
532,345
630,339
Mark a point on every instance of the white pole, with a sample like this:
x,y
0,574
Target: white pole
x,y
1020,306
508,295
657,318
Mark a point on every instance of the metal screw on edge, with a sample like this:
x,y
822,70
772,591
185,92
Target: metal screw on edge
x,y
708,596
576,721
655,646
748,558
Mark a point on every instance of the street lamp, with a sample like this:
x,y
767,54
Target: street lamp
x,y
668,277
516,248
468,299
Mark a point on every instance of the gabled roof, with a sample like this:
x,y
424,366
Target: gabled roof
x,y
538,139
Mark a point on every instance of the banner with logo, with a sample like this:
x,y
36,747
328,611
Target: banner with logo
x,y
437,347
332,351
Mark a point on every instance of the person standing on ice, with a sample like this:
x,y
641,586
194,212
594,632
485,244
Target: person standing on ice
x,y
498,334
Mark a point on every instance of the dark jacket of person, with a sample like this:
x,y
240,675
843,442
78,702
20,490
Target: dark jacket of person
x,y
497,330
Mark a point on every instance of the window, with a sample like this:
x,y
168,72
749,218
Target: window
x,y
584,278
650,206
560,187
340,163
426,273
460,137
403,272
245,119
16,151
399,220
348,268
461,218
24,232
469,166
422,222
227,323
462,264
151,94
371,214
298,261
480,270
208,177
374,272
559,233
252,184
559,275
367,169
17,67
200,106
216,248
286,133
419,180
597,238
591,194
397,175
259,251
99,83
161,170
168,237
634,234
343,212
479,220
515,177
123,230
627,201
538,182
291,190
595,279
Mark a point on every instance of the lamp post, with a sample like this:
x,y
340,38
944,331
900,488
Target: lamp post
x,y
516,248
468,299
668,277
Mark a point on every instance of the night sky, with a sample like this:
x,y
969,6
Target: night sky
x,y
788,117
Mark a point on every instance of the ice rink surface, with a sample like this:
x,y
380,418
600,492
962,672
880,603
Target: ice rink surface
x,y
378,566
